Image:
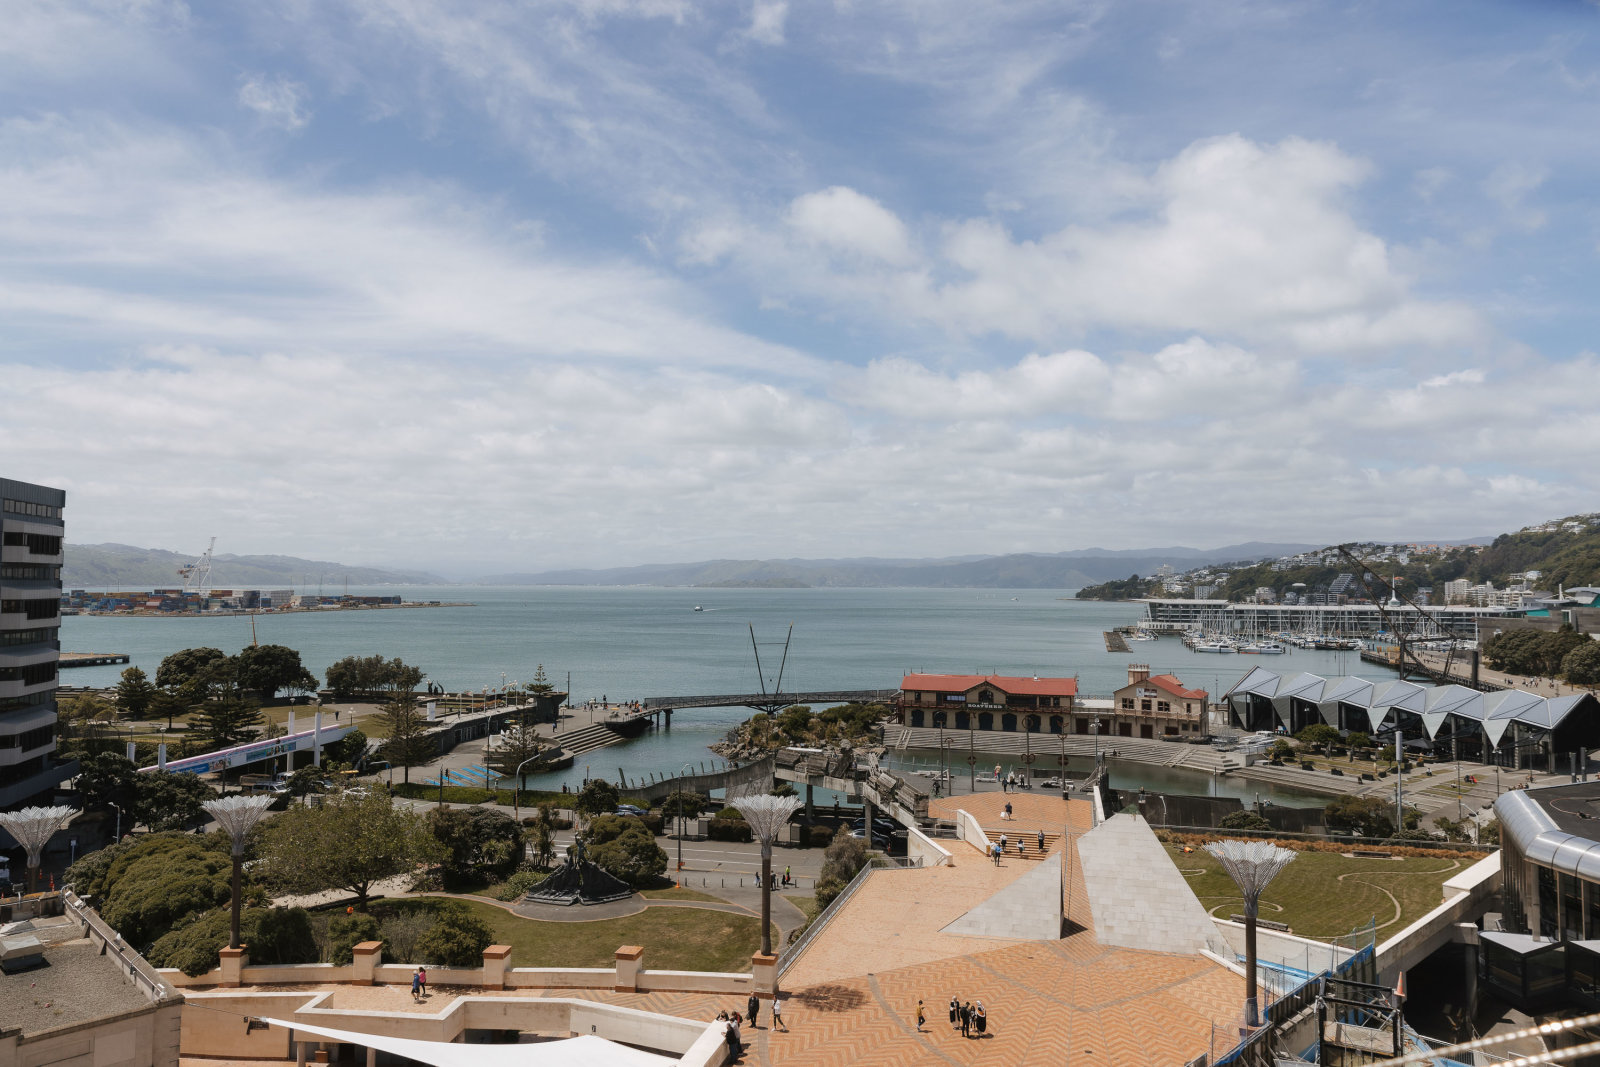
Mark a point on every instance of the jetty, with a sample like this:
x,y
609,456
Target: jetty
x,y
91,659
1115,642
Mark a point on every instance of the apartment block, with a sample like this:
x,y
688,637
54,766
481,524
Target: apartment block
x,y
30,647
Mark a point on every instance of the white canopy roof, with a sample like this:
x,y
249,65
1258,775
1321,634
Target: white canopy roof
x,y
583,1051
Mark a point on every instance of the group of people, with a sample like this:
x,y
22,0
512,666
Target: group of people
x,y
787,878
997,849
967,1017
752,1009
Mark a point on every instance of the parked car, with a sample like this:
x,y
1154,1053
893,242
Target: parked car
x,y
629,809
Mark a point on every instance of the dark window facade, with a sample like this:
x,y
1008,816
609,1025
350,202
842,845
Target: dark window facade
x,y
36,544
48,607
37,635
26,507
28,739
47,572
32,674
31,700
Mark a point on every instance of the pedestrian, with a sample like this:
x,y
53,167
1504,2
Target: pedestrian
x,y
966,1019
787,878
1002,844
955,1013
777,1014
980,1019
416,984
1021,844
422,973
1008,811
752,1009
921,1017
1041,840
734,1044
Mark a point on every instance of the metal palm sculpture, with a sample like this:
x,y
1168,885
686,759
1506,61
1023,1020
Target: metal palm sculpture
x,y
767,816
1251,865
33,828
238,816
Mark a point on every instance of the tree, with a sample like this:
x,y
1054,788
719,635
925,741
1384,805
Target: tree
x,y
541,836
350,750
347,843
1581,666
134,694
269,668
82,721
1364,816
106,779
843,860
372,674
169,800
476,841
1244,820
407,743
275,936
598,797
518,744
191,666
457,938
161,878
1358,739
229,720
1318,735
623,846
540,684
1282,749
169,703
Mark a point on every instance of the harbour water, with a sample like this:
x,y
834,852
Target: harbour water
x,y
635,642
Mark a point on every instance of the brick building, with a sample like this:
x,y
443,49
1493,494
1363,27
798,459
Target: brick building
x,y
987,702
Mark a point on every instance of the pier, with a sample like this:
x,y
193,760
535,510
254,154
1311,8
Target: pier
x,y
1115,642
91,659
768,702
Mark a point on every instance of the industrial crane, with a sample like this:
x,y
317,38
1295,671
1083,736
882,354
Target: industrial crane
x,y
197,575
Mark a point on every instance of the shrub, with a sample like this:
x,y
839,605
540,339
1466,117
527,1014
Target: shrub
x,y
817,836
457,937
160,880
845,857
345,932
518,884
632,854
274,935
1244,820
729,830
827,890
479,841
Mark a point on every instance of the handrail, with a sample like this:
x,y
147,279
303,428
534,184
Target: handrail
x,y
128,960
795,950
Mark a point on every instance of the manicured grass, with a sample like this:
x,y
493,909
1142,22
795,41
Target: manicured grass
x,y
1323,895
674,893
674,939
807,904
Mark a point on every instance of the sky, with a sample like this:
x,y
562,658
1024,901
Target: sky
x,y
517,286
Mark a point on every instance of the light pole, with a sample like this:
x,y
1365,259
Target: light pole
x,y
516,788
1251,865
1094,727
33,828
767,815
237,815
688,769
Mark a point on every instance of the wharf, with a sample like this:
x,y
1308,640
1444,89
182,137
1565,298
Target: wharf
x,y
91,659
1115,642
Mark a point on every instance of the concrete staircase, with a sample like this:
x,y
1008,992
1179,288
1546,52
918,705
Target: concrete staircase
x,y
587,739
1029,838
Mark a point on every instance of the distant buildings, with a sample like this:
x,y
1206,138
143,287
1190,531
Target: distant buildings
x,y
1148,706
30,648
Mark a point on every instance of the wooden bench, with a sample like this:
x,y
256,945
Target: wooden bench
x,y
1265,923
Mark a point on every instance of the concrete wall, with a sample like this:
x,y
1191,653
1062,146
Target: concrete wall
x,y
920,846
211,1027
147,1037
1467,896
968,830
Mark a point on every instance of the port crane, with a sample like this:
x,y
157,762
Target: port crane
x,y
197,575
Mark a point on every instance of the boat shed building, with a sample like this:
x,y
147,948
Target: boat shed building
x,y
1511,727
988,702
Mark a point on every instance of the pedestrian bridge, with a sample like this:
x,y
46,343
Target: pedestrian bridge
x,y
770,702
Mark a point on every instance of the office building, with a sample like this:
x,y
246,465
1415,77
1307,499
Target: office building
x,y
30,645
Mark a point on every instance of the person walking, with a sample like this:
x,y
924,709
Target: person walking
x,y
922,1018
1002,844
416,985
966,1019
1022,843
777,1014
752,1009
422,973
980,1019
955,1014
788,879
1041,841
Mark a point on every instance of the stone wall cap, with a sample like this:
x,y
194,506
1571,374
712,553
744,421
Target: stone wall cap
x,y
630,952
493,952
362,948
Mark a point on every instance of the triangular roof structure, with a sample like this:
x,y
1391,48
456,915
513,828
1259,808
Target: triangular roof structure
x,y
586,1050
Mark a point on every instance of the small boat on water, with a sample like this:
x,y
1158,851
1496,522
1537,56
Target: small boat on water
x,y
1264,648
1141,635
1215,646
697,607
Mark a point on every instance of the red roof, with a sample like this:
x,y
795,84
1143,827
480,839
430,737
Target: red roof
x,y
960,683
1169,683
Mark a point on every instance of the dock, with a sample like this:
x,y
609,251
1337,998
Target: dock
x,y
1115,642
92,659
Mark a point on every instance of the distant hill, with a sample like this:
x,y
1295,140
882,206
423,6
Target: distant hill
x,y
113,566
1065,570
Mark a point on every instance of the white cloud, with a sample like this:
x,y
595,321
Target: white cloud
x,y
766,21
844,220
278,101
1510,185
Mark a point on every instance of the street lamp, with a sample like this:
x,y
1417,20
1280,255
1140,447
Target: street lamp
x,y
237,815
1094,727
33,828
516,789
767,815
1251,865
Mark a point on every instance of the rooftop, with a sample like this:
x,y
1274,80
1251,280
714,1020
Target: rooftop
x,y
1018,686
76,985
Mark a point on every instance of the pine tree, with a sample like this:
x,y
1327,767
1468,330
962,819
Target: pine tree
x,y
135,694
407,742
228,721
517,745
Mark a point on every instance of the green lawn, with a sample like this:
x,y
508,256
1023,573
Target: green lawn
x,y
674,939
1323,895
674,893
